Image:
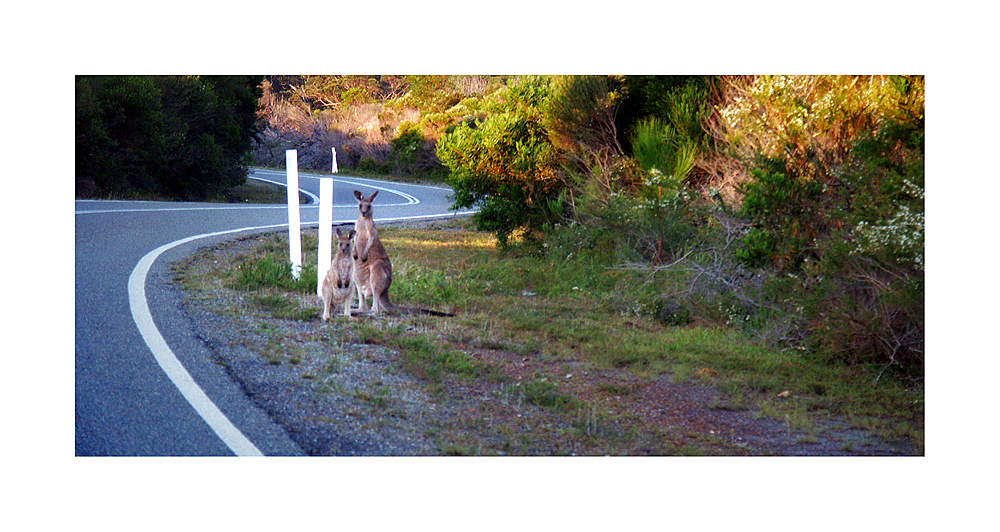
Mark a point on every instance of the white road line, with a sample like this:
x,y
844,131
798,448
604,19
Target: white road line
x,y
171,209
360,181
410,200
313,198
168,361
165,357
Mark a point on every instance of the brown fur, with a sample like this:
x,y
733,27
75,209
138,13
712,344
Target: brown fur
x,y
338,285
372,267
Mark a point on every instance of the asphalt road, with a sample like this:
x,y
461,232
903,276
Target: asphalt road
x,y
145,385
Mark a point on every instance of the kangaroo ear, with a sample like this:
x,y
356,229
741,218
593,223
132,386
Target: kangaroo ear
x,y
357,194
351,234
373,195
338,232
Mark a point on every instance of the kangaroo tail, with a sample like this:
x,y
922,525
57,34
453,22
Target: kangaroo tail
x,y
429,312
402,311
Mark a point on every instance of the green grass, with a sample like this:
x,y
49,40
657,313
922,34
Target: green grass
x,y
566,308
544,393
274,271
576,309
432,359
423,355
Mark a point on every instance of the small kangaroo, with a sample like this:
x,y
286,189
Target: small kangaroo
x,y
372,267
338,285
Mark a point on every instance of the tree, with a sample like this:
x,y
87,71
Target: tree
x,y
186,137
119,126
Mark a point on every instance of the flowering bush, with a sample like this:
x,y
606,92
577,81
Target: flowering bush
x,y
836,203
812,122
901,236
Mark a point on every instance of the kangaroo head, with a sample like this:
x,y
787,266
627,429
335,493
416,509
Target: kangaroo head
x,y
344,241
365,204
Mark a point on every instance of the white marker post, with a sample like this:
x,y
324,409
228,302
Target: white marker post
x,y
325,232
334,150
294,218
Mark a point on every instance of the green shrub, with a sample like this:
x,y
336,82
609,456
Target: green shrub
x,y
580,113
655,146
505,164
850,250
367,164
672,312
406,147
789,213
673,141
640,206
886,183
759,248
432,93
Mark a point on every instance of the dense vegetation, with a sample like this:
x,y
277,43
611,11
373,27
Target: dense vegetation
x,y
791,206
183,137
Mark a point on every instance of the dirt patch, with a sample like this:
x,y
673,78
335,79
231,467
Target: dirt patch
x,y
337,394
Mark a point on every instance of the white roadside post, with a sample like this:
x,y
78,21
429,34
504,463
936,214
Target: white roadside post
x,y
324,252
294,218
325,231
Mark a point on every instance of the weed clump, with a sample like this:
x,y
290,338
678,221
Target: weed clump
x,y
271,272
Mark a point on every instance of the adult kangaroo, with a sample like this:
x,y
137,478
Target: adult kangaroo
x,y
372,267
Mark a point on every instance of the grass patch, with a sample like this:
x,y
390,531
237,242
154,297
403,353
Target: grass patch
x,y
577,309
580,308
380,399
274,272
431,359
545,393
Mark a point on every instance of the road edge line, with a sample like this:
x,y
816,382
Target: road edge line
x,y
237,442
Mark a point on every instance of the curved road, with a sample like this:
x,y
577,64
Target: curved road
x,y
145,385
